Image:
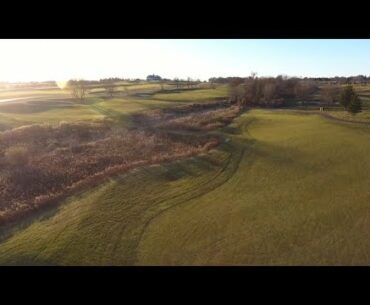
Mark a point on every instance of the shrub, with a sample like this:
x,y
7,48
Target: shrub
x,y
17,155
25,134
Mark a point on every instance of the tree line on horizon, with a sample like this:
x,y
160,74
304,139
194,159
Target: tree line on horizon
x,y
269,91
255,91
284,91
340,80
80,88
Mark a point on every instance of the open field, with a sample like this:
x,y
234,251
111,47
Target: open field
x,y
194,95
14,94
63,146
279,191
31,107
135,87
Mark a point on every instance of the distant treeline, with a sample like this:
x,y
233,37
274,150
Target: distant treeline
x,y
283,91
269,91
359,79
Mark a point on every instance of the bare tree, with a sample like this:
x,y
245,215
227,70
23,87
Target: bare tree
x,y
253,75
269,92
189,82
78,89
330,94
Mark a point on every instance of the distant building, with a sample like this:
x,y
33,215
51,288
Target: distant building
x,y
153,77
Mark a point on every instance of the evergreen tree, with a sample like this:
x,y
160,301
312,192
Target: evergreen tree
x,y
350,100
346,97
355,105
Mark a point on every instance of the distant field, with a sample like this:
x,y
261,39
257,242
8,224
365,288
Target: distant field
x,y
130,105
6,94
194,95
280,191
54,105
132,87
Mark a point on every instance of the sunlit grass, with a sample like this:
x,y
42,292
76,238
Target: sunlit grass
x,y
130,105
53,116
194,95
289,189
33,93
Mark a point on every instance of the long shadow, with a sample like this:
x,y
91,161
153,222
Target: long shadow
x,y
45,213
23,261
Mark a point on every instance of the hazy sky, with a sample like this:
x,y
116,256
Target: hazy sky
x,y
39,60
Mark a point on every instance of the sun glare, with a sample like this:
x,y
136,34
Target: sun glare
x,y
62,84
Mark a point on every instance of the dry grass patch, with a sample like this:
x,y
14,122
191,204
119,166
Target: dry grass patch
x,y
195,117
43,163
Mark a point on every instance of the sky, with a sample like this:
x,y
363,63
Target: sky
x,y
63,59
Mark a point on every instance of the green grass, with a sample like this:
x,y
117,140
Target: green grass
x,y
40,94
133,87
132,105
116,212
299,197
96,109
40,109
288,189
196,95
54,115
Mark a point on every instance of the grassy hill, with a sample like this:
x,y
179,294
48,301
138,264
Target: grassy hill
x,y
284,188
55,105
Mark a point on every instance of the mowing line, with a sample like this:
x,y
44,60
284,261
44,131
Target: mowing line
x,y
198,195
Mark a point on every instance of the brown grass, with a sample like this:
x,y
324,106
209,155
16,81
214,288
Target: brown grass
x,y
57,166
206,120
40,164
194,117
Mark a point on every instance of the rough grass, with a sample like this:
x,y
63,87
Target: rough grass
x,y
194,117
287,189
363,116
206,120
42,163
